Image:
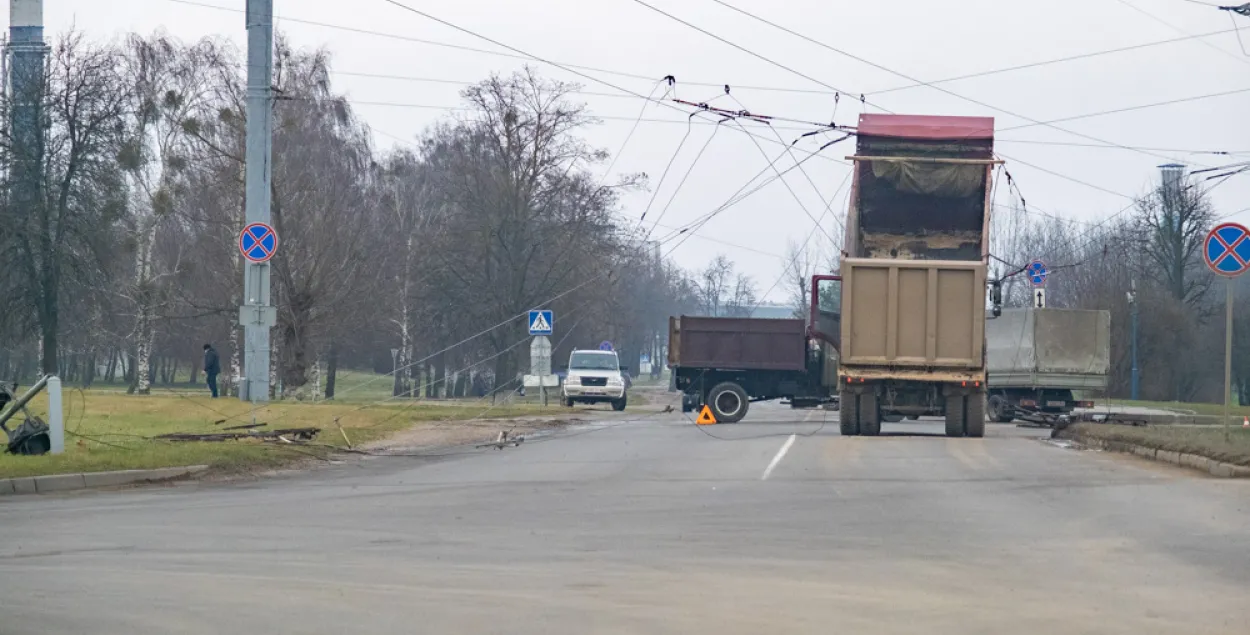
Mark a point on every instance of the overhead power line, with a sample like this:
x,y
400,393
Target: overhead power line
x,y
1239,58
913,79
638,76
746,50
1063,60
782,89
1117,111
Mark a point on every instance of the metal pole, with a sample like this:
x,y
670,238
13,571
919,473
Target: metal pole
x,y
56,418
1228,354
25,66
255,385
1136,376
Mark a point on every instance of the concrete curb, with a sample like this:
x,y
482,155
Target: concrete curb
x,y
1191,461
88,480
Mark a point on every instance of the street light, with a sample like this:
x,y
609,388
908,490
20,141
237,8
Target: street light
x,y
1132,303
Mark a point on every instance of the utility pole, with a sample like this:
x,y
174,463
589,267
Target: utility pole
x,y
258,314
27,54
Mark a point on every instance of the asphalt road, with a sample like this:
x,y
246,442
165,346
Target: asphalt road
x,y
652,526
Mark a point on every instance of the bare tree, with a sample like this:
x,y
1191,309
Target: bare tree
x,y
167,86
801,263
1174,221
58,239
525,220
714,284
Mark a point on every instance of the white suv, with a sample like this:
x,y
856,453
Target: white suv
x,y
595,377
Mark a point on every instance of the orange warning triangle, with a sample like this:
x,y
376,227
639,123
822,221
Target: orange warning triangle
x,y
705,417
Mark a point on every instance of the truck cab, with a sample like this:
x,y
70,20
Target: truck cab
x,y
595,376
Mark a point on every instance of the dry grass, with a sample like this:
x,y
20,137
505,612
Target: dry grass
x,y
107,430
1202,441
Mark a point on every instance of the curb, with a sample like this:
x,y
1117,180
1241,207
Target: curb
x,y
89,480
1192,461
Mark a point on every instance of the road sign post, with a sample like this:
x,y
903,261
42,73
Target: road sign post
x,y
258,242
257,315
1227,252
540,363
541,324
1038,272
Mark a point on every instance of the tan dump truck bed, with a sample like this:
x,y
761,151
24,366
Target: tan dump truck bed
x,y
913,319
1049,348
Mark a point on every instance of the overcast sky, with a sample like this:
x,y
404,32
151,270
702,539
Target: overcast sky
x,y
926,40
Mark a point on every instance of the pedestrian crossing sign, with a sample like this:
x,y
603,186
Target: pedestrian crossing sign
x,y
541,322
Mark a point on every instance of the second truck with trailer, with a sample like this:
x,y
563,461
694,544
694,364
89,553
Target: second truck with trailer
x,y
901,331
1040,360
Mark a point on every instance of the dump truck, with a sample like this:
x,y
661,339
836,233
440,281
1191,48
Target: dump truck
x,y
1039,359
900,332
914,273
728,363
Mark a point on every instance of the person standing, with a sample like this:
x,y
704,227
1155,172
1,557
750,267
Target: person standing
x,y
212,366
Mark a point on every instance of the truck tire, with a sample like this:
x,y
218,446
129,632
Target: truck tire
x,y
619,404
728,401
998,410
869,415
848,414
568,403
955,416
974,420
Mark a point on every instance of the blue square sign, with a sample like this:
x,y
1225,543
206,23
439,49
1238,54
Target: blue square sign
x,y
541,323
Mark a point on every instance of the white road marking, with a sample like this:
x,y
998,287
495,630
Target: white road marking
x,y
777,459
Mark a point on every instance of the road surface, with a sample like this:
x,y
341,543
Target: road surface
x,y
652,526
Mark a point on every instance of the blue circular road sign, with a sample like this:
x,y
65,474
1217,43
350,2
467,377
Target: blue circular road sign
x,y
605,345
1227,249
1037,272
258,242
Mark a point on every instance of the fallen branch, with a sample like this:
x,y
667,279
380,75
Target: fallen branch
x,y
303,434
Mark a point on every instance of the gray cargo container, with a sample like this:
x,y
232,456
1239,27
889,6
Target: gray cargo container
x,y
1038,358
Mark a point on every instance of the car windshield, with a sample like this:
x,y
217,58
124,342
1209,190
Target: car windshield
x,y
592,361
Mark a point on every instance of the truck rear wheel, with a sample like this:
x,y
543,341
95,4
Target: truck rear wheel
x,y
955,416
974,421
848,414
728,401
998,410
869,415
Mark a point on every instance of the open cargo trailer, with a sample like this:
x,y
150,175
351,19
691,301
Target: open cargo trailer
x,y
1038,358
914,273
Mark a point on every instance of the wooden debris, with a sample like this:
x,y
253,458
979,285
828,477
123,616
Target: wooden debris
x,y
246,426
301,434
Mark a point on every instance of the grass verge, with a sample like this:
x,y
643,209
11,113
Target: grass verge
x,y
107,430
1202,409
1209,442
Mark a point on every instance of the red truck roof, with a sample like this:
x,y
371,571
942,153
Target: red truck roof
x,y
926,126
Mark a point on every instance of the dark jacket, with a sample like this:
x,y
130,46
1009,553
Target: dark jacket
x,y
212,365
